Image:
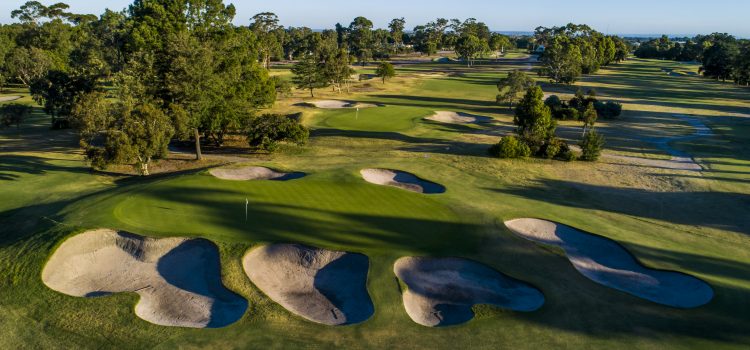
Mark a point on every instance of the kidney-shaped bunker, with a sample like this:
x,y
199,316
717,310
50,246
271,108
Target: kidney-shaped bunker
x,y
441,291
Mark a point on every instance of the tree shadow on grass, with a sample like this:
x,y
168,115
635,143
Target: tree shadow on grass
x,y
13,165
415,144
475,106
720,210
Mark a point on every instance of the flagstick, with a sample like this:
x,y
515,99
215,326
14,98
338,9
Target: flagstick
x,y
247,202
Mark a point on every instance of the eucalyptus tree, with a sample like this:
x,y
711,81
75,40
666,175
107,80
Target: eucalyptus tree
x,y
361,39
265,25
468,47
396,28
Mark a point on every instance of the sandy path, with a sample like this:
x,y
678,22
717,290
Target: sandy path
x,y
402,180
252,173
323,286
178,280
442,291
606,262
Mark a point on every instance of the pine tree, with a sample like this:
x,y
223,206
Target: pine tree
x,y
309,74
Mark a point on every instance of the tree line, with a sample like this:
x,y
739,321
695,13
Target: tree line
x,y
723,57
131,81
569,51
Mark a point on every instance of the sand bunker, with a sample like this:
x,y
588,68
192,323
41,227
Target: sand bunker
x,y
9,98
178,280
337,104
606,262
253,173
457,118
401,180
441,292
320,285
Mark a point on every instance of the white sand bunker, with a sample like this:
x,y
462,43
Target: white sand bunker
x,y
9,98
400,179
178,280
606,262
441,292
323,286
337,104
457,118
253,173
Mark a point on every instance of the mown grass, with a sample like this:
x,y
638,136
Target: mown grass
x,y
691,222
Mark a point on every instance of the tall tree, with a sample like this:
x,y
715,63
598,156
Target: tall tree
x,y
396,27
360,39
309,74
337,70
719,58
511,86
265,25
499,43
468,47
533,120
562,60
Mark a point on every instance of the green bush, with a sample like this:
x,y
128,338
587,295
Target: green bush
x,y
267,131
510,147
553,102
557,149
13,114
608,110
591,146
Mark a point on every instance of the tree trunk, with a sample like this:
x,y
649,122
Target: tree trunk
x,y
198,154
144,169
312,93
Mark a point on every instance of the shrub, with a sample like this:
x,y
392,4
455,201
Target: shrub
x,y
267,131
557,149
553,102
510,147
608,110
565,113
552,148
591,146
13,114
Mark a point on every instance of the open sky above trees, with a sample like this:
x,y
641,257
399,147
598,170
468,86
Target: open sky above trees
x,y
679,17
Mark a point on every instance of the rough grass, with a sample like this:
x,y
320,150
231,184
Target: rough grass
x,y
695,223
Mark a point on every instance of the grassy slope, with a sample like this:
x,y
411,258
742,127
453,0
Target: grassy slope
x,y
671,220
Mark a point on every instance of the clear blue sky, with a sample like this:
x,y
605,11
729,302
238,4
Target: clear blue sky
x,y
622,17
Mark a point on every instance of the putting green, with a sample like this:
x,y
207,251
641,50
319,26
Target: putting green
x,y
380,119
317,210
